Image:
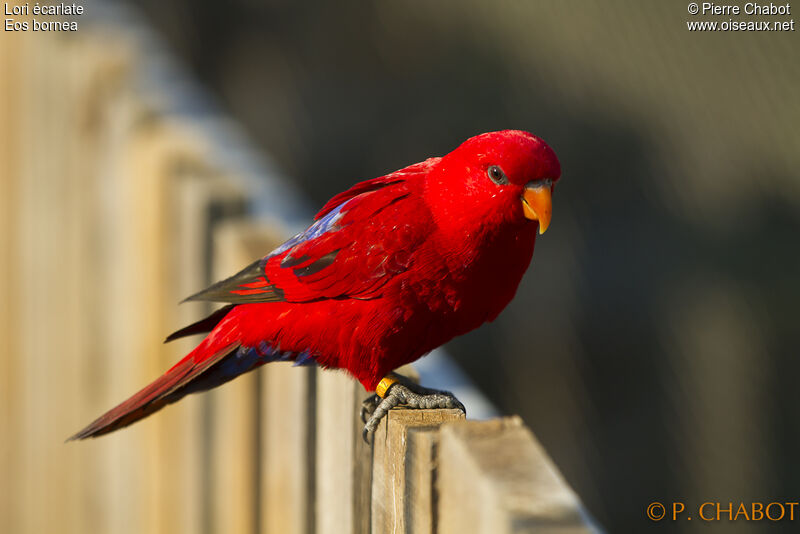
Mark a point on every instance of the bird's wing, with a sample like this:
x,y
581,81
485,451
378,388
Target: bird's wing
x,y
360,240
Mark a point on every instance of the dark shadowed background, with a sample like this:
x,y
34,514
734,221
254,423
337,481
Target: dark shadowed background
x,y
653,344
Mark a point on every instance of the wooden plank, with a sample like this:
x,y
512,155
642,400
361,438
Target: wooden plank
x,y
193,189
420,492
335,450
12,114
186,194
50,223
163,260
186,489
136,355
93,72
402,474
107,375
155,231
235,432
342,457
494,477
32,312
287,456
153,467
84,69
284,423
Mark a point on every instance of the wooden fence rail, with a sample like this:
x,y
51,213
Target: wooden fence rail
x,y
114,207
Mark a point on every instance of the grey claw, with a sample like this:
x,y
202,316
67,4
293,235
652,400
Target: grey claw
x,y
368,406
411,396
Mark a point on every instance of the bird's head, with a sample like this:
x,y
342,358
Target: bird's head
x,y
504,177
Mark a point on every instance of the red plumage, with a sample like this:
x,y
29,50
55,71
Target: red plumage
x,y
392,268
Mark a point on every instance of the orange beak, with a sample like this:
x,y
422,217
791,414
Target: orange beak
x,y
537,204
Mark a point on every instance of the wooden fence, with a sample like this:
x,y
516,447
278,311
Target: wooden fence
x,y
114,207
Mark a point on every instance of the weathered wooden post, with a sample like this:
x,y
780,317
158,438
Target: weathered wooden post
x,y
403,467
342,457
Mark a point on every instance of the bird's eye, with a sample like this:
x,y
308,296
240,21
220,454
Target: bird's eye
x,y
497,175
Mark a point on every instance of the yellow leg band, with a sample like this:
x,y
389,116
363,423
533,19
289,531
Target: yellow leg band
x,y
384,385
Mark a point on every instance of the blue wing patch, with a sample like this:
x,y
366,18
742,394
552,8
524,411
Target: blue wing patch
x,y
328,223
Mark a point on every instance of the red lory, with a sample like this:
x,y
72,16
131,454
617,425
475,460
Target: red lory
x,y
390,269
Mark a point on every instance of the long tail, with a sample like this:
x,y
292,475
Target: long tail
x,y
198,371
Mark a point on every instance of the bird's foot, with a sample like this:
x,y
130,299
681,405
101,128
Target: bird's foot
x,y
368,406
402,392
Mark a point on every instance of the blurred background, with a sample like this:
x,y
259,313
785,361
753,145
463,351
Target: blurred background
x,y
653,344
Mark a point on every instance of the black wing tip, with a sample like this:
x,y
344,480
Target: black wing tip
x,y
197,297
204,325
99,427
210,294
221,291
175,335
83,434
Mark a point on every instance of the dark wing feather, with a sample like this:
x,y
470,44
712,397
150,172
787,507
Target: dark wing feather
x,y
248,285
202,326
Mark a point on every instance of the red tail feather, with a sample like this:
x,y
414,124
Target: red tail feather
x,y
168,388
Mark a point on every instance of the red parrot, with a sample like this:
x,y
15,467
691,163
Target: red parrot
x,y
390,269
